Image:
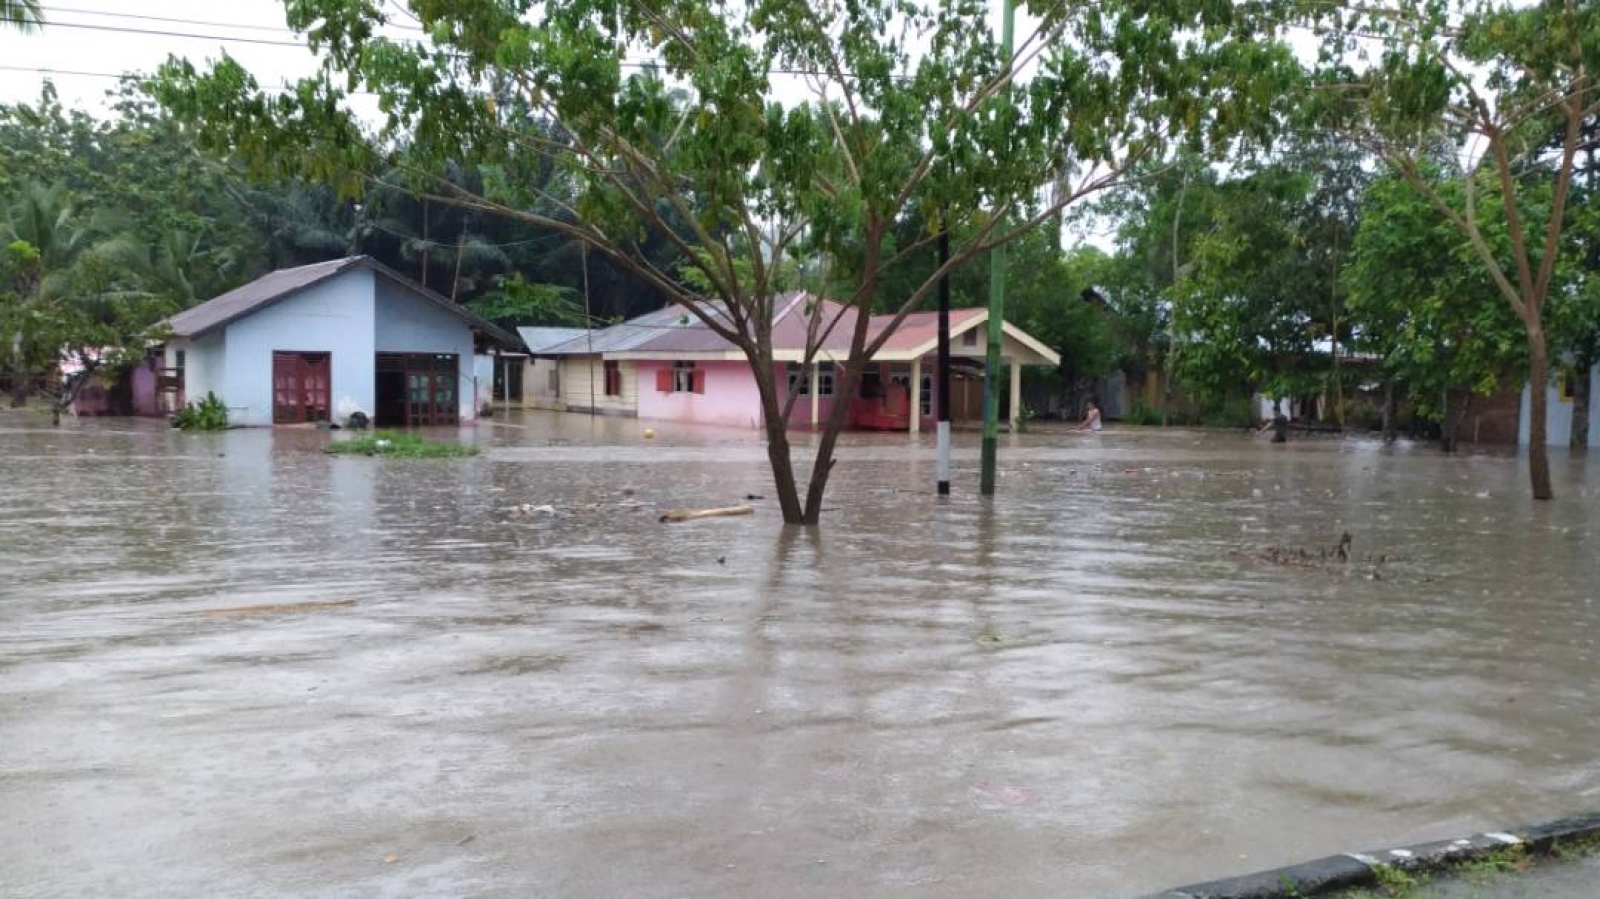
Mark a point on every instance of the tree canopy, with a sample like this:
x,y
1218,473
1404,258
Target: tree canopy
x,y
661,125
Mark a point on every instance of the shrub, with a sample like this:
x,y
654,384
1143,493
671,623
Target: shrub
x,y
207,415
1141,414
401,445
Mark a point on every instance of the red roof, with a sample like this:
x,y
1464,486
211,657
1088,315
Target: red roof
x,y
919,328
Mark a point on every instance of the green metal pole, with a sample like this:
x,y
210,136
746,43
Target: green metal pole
x,y
997,308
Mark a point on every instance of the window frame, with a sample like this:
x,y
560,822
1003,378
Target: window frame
x,y
682,377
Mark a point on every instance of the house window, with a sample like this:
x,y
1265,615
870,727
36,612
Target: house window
x,y
613,378
927,396
683,377
800,382
970,337
180,358
555,381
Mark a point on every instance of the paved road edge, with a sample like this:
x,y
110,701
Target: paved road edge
x,y
1359,869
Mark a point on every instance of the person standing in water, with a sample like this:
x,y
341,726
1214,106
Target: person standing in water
x,y
1091,419
1280,428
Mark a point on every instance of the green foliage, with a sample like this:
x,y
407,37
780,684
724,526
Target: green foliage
x,y
1395,882
1229,412
23,15
1257,304
515,302
914,114
1419,300
401,445
207,415
1483,84
1142,415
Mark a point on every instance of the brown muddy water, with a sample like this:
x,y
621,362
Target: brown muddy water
x,y
1077,690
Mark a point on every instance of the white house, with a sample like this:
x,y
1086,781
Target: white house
x,y
323,341
1558,426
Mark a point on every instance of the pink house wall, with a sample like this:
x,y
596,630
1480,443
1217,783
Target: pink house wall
x,y
145,401
730,398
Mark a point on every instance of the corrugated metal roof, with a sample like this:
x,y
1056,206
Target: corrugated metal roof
x,y
247,298
636,333
537,339
285,282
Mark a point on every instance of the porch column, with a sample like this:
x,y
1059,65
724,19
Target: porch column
x,y
816,381
1016,393
916,395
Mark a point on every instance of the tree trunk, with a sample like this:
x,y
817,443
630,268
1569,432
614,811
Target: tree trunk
x,y
822,467
1579,442
777,428
1391,411
1454,407
783,471
1538,403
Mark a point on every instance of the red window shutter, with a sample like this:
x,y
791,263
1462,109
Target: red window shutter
x,y
664,380
698,380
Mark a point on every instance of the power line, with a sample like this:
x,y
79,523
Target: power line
x,y
40,70
278,29
177,34
44,71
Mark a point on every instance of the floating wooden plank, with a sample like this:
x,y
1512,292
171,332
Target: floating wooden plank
x,y
279,607
693,514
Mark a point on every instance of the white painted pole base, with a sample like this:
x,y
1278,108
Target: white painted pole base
x,y
944,458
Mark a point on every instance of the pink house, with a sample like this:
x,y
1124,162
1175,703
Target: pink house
x,y
669,365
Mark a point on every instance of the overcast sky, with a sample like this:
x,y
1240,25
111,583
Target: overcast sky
x,y
86,43
109,45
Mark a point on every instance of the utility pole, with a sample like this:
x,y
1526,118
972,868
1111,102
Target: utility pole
x,y
997,301
943,377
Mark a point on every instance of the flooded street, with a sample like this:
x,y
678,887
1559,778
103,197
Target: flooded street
x,y
1079,690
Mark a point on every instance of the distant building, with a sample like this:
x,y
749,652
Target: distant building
x,y
1558,424
323,341
669,365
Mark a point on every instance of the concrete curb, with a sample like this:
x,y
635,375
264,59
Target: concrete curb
x,y
1358,869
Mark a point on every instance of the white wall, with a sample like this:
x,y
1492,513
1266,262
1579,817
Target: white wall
x,y
335,317
1558,424
407,323
575,386
483,379
203,365
536,392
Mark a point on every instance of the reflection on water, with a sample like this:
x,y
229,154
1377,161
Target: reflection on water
x,y
1076,690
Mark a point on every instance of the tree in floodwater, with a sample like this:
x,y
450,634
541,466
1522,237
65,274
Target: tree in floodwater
x,y
1417,300
1491,79
912,106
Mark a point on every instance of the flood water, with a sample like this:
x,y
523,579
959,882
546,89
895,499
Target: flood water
x,y
1077,690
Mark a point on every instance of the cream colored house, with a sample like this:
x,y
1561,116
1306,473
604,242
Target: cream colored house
x,y
542,382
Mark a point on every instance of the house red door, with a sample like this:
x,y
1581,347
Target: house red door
x,y
302,387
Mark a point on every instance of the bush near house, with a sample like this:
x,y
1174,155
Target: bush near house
x,y
207,415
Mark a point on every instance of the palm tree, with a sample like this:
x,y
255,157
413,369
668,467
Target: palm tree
x,y
23,15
